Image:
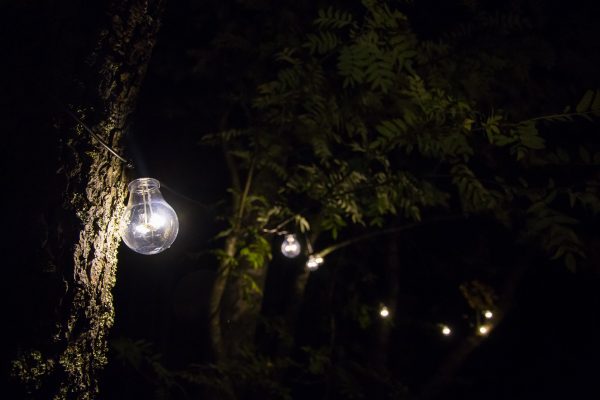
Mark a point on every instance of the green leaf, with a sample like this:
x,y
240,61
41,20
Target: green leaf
x,y
332,18
596,104
529,136
222,234
302,223
585,102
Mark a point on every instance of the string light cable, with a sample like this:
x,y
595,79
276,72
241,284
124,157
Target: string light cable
x,y
149,225
314,259
128,163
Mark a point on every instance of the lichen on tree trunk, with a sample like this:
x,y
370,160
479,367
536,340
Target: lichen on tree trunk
x,y
93,197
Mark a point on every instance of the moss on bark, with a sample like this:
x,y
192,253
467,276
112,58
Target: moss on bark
x,y
68,364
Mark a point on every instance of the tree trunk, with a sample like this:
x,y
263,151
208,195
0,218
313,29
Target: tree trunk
x,y
81,240
216,316
243,306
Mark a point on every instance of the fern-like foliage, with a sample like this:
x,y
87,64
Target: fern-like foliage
x,y
475,197
361,124
332,18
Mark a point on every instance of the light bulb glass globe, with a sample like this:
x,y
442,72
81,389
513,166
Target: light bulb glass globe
x,y
446,331
149,224
488,314
290,246
313,262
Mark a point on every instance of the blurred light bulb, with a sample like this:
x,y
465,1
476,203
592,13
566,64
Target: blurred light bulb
x,y
446,331
149,224
484,329
290,246
314,262
488,314
384,312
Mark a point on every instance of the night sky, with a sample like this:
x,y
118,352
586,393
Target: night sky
x,y
547,345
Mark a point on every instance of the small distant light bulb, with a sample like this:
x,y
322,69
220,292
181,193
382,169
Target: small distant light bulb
x,y
290,246
488,314
446,331
484,330
149,224
313,262
384,312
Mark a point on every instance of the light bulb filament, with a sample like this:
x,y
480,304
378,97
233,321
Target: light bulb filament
x,y
147,208
314,262
290,247
155,223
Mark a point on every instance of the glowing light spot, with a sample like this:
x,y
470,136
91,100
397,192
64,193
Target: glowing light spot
x,y
290,248
446,331
143,229
314,262
488,314
157,221
384,312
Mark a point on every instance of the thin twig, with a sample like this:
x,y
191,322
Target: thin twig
x,y
555,116
246,191
387,231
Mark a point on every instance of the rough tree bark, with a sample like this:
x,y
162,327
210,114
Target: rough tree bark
x,y
92,194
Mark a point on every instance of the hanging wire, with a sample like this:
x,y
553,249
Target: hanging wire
x,y
187,198
127,163
277,230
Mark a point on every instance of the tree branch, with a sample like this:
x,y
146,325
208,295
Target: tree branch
x,y
386,231
247,186
454,362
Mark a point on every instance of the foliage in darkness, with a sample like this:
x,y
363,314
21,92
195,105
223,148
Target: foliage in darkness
x,y
359,125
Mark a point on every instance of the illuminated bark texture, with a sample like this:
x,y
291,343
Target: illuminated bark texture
x,y
67,364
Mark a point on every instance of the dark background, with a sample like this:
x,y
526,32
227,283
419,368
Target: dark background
x,y
548,344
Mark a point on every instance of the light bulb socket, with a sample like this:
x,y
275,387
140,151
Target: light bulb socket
x,y
140,185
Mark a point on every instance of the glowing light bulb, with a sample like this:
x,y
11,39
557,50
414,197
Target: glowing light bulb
x,y
290,246
484,330
149,224
446,331
488,314
384,312
313,262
